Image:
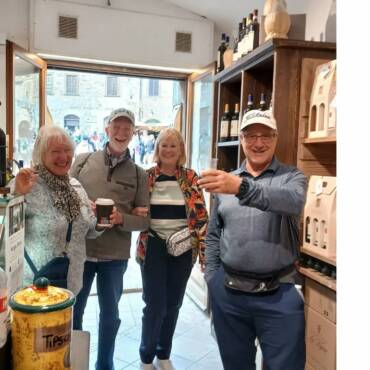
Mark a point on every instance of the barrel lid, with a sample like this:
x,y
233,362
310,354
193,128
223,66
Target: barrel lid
x,y
41,297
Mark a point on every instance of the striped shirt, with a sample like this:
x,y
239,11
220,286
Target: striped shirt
x,y
167,207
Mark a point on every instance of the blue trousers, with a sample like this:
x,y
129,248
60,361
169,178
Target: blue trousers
x,y
109,287
276,319
164,283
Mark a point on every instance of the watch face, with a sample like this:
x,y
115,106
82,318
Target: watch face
x,y
243,188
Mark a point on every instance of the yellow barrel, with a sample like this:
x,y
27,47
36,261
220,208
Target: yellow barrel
x,y
41,327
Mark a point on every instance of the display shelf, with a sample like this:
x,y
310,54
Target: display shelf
x,y
320,140
228,143
320,278
331,260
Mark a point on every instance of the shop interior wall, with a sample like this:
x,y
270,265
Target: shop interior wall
x,y
136,32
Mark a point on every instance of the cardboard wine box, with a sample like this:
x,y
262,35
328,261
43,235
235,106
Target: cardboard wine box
x,y
320,341
320,216
321,299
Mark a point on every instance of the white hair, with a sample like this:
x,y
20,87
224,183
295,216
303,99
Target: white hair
x,y
46,135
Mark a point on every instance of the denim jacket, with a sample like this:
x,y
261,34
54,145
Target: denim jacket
x,y
195,210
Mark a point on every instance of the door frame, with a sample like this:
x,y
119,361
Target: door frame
x,y
210,69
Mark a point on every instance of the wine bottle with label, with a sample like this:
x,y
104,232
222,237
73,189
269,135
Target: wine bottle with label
x,y
234,125
236,55
220,53
263,103
225,124
241,44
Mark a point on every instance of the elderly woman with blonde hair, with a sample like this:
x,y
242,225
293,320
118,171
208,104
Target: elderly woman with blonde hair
x,y
58,213
176,204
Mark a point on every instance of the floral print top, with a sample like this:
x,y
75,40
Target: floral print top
x,y
195,210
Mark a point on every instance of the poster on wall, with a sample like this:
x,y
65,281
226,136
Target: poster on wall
x,y
12,240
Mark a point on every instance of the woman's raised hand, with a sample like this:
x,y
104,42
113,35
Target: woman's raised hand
x,y
25,180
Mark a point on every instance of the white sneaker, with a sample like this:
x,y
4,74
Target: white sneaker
x,y
164,364
146,366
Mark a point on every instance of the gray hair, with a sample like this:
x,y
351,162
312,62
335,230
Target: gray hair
x,y
46,135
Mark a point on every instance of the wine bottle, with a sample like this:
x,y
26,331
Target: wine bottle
x,y
220,53
263,103
317,266
325,270
249,103
255,30
310,262
236,41
225,124
228,54
241,38
249,39
234,125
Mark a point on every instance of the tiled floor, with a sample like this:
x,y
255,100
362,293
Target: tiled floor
x,y
193,346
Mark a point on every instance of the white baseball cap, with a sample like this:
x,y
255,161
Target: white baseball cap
x,y
264,117
122,112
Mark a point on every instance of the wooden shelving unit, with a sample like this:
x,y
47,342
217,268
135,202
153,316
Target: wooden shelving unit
x,y
316,156
275,69
284,71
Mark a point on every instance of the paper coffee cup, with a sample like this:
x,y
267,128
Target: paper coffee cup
x,y
104,208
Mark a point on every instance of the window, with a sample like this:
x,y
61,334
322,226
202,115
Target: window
x,y
153,88
112,86
71,85
50,84
71,122
85,114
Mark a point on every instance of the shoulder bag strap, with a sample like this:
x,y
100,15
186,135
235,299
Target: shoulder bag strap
x,y
30,263
81,166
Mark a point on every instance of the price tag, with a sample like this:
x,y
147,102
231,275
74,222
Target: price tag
x,y
318,187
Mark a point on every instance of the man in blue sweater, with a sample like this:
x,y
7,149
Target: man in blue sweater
x,y
251,250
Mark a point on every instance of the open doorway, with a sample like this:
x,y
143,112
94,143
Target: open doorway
x,y
81,102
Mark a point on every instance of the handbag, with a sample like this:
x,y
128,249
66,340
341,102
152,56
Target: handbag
x,y
56,270
179,242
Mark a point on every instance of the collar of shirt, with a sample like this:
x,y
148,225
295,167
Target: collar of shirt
x,y
242,170
114,160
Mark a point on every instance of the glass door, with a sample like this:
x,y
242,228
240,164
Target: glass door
x,y
201,116
201,147
26,101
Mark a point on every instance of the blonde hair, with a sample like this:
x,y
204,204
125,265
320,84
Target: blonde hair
x,y
46,135
164,134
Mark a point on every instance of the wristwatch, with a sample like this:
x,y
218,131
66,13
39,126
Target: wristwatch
x,y
243,189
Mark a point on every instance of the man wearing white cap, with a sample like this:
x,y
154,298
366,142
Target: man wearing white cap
x,y
110,173
251,251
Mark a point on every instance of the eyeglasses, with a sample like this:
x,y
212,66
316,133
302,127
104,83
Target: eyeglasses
x,y
251,139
